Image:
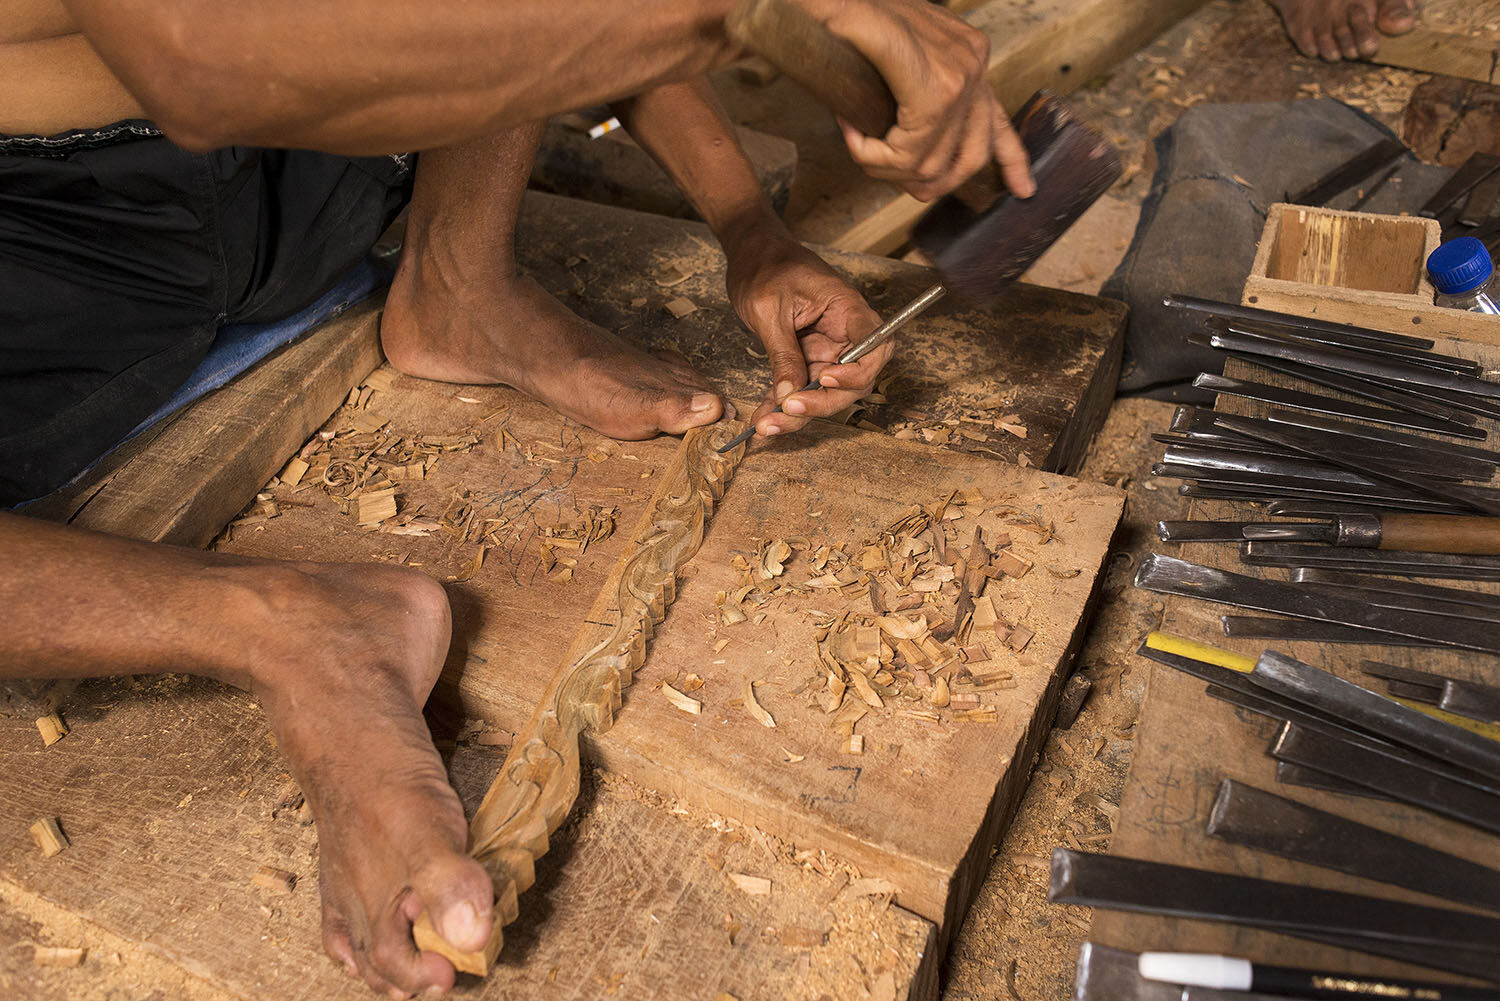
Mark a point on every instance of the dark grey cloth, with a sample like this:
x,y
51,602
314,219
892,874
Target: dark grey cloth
x,y
1219,169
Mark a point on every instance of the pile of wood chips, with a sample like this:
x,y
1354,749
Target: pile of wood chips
x,y
363,465
934,639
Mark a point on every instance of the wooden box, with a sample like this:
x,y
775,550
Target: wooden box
x,y
1355,267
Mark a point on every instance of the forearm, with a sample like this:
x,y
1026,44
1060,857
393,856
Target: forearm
x,y
385,75
684,127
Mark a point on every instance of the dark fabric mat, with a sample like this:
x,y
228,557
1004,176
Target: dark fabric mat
x,y
1219,169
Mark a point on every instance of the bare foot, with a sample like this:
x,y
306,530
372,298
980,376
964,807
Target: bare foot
x,y
1344,29
481,324
342,679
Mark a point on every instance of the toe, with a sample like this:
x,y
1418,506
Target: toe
x,y
1327,47
1343,37
394,958
1396,17
1366,41
679,412
458,895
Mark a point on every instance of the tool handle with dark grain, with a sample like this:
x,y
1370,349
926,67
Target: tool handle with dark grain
x,y
1437,533
827,66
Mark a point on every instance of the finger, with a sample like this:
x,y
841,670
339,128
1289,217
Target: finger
x,y
821,403
948,165
878,158
1010,154
1366,39
859,376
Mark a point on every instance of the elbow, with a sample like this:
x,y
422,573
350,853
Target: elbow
x,y
197,91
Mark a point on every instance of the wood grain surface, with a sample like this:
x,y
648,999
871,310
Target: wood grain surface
x,y
174,794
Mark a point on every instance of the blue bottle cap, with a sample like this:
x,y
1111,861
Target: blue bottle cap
x,y
1460,266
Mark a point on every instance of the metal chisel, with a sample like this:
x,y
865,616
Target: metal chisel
x,y
877,337
1415,533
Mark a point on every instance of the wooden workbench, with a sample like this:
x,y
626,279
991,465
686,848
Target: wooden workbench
x,y
917,813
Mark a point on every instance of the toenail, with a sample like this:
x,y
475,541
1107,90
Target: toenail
x,y
794,406
460,924
784,389
702,402
773,429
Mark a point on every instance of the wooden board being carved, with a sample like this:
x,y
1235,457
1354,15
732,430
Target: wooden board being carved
x,y
538,783
1458,38
931,792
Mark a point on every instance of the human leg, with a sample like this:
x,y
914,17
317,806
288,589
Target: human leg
x,y
341,658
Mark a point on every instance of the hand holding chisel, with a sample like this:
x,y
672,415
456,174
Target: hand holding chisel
x,y
877,337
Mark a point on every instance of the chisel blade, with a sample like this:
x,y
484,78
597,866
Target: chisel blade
x,y
1167,575
1372,561
1266,822
1149,887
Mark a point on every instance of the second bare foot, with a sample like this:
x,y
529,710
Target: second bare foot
x,y
1344,29
485,323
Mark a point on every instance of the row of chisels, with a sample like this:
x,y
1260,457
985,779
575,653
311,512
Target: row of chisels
x,y
1337,735
1376,485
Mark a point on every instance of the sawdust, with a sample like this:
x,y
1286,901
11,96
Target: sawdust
x,y
1012,934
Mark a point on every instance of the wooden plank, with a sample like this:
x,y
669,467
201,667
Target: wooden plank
x,y
535,790
1457,38
183,480
1054,44
968,774
170,822
1448,120
620,269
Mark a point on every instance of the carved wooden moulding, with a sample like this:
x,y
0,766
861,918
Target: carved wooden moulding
x,y
538,783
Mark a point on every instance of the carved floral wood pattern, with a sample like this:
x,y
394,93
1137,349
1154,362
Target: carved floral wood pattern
x,y
539,781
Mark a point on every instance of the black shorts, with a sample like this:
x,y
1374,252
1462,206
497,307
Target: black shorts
x,y
120,258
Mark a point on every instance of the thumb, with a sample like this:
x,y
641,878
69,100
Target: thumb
x,y
788,370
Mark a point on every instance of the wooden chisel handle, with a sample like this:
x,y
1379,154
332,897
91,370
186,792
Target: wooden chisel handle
x,y
1441,533
827,66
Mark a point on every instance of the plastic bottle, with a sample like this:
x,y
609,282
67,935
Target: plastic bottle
x,y
1464,276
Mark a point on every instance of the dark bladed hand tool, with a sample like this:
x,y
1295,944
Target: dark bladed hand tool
x,y
1420,533
1438,937
1267,822
1370,561
1482,499
1166,575
979,239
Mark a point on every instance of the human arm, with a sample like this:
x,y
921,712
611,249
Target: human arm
x,y
803,312
380,76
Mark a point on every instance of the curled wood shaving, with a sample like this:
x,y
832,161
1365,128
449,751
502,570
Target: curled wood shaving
x,y
899,628
683,702
756,886
940,695
862,688
755,709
